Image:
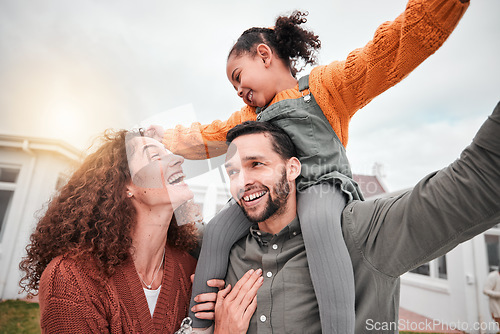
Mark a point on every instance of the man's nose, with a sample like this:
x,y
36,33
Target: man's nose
x,y
245,180
240,92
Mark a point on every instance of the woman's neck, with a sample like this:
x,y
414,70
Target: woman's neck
x,y
149,239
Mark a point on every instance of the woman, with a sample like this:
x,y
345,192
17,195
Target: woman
x,y
109,255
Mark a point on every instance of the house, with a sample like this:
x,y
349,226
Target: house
x,y
449,289
31,169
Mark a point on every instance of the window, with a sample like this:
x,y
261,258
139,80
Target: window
x,y
422,270
492,250
436,268
441,266
8,179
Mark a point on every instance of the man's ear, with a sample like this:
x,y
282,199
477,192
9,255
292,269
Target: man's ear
x,y
265,53
293,168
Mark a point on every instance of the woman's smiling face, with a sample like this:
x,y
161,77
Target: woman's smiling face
x,y
156,173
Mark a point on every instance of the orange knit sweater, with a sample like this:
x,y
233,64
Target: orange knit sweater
x,y
343,87
72,299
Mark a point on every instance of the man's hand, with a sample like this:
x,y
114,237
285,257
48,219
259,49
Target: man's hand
x,y
234,309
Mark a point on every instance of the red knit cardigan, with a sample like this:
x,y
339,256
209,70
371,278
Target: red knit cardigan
x,y
74,300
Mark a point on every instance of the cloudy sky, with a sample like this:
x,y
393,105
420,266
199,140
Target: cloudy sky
x,y
70,69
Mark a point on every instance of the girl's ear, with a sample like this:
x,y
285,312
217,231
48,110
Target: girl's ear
x,y
265,53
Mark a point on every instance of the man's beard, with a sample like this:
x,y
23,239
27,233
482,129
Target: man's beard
x,y
276,201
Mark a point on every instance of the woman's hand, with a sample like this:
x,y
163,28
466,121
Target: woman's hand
x,y
234,309
206,301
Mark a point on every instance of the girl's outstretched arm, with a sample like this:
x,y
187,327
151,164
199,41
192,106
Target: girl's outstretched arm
x,y
397,48
198,141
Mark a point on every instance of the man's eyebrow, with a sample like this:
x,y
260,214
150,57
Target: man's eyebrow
x,y
253,157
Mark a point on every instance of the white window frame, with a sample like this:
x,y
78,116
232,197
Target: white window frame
x,y
9,186
433,270
432,282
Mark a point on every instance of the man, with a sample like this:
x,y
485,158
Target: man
x,y
385,237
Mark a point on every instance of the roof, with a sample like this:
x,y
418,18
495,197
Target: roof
x,y
45,144
370,185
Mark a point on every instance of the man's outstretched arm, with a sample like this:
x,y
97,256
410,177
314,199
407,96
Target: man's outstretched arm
x,y
444,209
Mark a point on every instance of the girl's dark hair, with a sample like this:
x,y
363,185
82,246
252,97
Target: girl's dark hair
x,y
91,217
291,42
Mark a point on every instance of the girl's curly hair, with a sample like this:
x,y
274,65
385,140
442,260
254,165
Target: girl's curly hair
x,y
293,44
92,218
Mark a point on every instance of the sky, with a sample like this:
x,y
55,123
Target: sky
x,y
71,69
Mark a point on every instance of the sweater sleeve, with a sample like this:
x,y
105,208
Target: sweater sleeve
x,y
65,306
205,141
343,87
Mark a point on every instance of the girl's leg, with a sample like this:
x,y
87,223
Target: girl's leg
x,y
329,261
227,227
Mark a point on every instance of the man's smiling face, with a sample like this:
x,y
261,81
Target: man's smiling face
x,y
258,177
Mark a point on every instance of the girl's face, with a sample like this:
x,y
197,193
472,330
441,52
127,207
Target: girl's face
x,y
252,79
157,175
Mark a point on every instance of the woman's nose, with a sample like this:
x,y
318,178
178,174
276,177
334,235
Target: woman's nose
x,y
240,92
175,160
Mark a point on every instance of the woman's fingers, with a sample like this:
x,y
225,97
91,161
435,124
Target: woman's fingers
x,y
234,309
221,295
206,309
205,315
209,296
216,283
206,306
245,293
237,287
206,297
251,288
250,310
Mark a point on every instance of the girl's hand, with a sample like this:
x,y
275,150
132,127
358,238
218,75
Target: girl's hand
x,y
155,132
234,309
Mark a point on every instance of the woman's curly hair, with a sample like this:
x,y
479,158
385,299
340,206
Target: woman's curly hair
x,y
296,46
91,217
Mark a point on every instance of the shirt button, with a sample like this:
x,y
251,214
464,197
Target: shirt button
x,y
258,233
263,318
275,246
269,274
294,233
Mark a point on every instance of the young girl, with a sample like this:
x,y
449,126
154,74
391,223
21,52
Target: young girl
x,y
315,111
